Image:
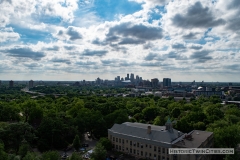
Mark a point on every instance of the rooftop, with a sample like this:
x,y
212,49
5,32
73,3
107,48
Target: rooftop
x,y
195,140
139,130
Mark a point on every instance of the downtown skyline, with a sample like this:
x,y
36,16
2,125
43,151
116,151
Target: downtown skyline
x,y
84,39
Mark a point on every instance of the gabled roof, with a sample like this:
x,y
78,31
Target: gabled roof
x,y
139,130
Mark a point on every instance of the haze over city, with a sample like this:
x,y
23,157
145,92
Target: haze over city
x,y
86,39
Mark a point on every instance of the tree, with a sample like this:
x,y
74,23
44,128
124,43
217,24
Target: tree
x,y
76,143
175,112
31,156
9,112
99,152
27,107
51,133
23,150
150,113
75,156
106,143
51,155
12,134
227,136
3,154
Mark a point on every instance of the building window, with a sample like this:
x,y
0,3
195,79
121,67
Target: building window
x,y
120,148
145,154
123,141
154,156
167,151
117,147
116,139
163,150
119,140
127,148
130,143
159,149
134,151
159,158
130,150
167,158
141,145
134,144
137,144
150,154
155,148
163,158
127,141
150,146
137,152
146,145
110,136
113,139
141,153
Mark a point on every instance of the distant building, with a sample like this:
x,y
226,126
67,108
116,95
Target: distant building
x,y
208,93
98,81
167,82
127,77
152,142
154,82
132,77
30,84
76,84
11,83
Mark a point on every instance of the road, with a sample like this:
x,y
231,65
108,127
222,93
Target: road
x,y
91,142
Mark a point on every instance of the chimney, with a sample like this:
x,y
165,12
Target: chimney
x,y
149,130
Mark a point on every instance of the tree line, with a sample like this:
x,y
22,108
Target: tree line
x,y
51,123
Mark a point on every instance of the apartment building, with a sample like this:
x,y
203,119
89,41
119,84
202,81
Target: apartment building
x,y
152,142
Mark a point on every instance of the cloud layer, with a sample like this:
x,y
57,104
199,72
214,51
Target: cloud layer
x,y
76,39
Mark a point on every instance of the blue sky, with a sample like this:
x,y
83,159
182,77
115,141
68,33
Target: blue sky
x,y
86,39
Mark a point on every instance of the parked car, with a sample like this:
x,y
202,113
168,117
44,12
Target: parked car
x,y
64,156
80,149
89,135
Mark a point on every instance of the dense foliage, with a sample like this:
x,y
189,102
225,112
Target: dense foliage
x,y
51,122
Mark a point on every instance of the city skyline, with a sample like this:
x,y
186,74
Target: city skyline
x,y
72,40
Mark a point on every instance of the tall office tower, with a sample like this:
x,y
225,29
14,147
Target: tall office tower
x,y
118,78
127,76
137,79
166,82
11,83
30,84
193,83
154,82
132,77
98,81
140,79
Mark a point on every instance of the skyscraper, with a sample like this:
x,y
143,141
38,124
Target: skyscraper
x,y
30,84
154,82
132,77
11,83
166,82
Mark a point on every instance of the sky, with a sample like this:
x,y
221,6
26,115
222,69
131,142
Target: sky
x,y
184,40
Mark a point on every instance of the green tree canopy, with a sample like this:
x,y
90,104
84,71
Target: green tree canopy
x,y
76,143
99,152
